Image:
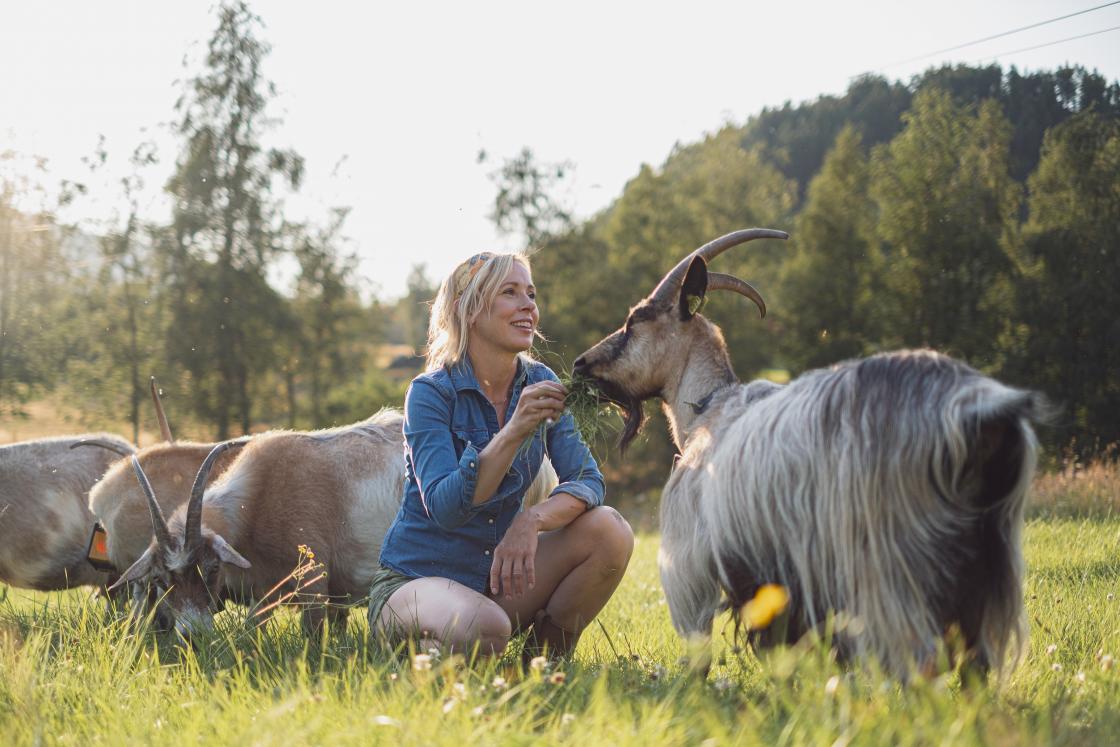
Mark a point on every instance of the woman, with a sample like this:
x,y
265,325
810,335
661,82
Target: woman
x,y
464,564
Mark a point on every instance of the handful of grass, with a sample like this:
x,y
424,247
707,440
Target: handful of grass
x,y
593,417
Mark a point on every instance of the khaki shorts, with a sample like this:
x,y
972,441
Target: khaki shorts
x,y
385,582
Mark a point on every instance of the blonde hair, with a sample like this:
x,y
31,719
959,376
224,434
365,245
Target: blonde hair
x,y
463,295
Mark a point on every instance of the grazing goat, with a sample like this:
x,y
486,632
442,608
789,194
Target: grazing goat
x,y
888,490
45,522
119,503
334,492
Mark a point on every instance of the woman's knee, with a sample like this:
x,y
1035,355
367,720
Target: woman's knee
x,y
489,627
611,534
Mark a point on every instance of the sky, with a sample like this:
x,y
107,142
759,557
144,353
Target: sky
x,y
390,103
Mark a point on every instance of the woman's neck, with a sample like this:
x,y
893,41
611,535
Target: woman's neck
x,y
494,371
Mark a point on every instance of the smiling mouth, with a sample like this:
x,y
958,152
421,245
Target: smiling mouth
x,y
527,327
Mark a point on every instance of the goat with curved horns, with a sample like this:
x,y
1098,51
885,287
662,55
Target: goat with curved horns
x,y
333,491
888,490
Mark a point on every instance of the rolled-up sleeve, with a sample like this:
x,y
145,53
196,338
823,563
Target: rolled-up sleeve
x,y
576,469
446,482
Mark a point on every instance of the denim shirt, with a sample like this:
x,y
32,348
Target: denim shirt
x,y
448,421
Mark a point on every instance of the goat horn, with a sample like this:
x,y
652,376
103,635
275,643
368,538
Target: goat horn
x,y
159,523
719,281
192,533
670,285
113,447
164,428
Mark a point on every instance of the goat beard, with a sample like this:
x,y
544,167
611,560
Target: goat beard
x,y
629,404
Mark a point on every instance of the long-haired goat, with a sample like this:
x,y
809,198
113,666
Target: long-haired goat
x,y
890,489
45,522
334,492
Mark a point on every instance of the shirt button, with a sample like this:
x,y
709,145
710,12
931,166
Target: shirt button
x,y
472,465
489,521
486,552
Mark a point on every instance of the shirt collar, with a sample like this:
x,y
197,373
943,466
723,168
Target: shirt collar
x,y
462,374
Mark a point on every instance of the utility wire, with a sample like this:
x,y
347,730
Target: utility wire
x,y
1050,44
1005,33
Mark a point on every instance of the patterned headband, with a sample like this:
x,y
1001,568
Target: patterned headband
x,y
465,272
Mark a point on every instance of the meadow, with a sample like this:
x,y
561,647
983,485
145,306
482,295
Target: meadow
x,y
71,674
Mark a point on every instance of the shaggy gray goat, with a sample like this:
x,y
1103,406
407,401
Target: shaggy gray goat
x,y
887,491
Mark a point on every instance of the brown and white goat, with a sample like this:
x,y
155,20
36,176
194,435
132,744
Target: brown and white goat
x,y
334,492
119,503
45,521
888,491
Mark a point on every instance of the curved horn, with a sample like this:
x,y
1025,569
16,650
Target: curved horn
x,y
670,285
113,447
164,428
192,533
159,523
719,281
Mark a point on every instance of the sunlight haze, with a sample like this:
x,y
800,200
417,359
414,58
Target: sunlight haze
x,y
391,104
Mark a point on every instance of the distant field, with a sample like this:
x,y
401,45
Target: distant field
x,y
69,676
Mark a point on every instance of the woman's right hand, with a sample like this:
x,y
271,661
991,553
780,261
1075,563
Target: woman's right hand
x,y
541,401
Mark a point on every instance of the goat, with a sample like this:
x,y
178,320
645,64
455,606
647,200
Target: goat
x,y
888,491
45,522
334,492
119,503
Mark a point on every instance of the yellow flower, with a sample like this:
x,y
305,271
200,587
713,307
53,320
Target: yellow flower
x,y
770,601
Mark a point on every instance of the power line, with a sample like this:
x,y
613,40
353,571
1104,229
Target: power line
x,y
1003,34
1050,44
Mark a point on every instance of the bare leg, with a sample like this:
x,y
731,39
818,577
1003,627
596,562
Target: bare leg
x,y
444,613
578,567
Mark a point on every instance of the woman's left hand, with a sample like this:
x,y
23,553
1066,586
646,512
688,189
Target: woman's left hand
x,y
512,571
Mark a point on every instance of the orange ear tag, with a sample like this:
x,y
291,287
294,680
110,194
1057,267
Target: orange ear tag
x,y
98,552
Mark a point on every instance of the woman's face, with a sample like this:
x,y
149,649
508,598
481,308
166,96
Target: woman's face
x,y
511,322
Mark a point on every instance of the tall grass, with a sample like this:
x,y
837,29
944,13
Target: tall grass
x,y
72,674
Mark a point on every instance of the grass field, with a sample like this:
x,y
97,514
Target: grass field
x,y
70,675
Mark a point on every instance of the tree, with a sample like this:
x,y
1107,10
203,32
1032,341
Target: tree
x,y
832,273
947,213
1069,335
325,306
526,202
225,219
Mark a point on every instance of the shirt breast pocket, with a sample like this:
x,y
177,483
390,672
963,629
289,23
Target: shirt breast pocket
x,y
477,437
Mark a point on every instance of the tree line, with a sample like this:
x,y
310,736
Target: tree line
x,y
971,209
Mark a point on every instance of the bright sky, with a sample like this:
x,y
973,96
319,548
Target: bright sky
x,y
405,95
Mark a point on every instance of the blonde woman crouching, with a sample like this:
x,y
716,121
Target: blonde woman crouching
x,y
465,565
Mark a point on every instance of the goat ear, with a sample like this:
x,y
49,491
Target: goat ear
x,y
693,289
138,570
227,554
